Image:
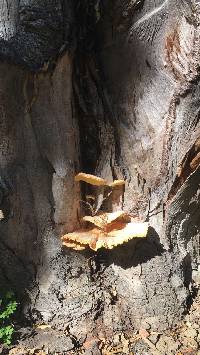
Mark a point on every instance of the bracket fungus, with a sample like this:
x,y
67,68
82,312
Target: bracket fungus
x,y
90,179
107,230
116,188
97,181
104,230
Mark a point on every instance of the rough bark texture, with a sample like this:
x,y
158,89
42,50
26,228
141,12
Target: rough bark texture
x,y
111,88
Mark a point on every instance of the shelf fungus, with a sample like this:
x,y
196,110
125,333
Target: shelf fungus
x,y
106,230
97,181
102,191
91,179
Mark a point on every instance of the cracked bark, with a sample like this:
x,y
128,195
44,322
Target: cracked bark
x,y
114,92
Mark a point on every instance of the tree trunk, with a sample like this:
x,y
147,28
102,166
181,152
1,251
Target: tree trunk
x,y
112,89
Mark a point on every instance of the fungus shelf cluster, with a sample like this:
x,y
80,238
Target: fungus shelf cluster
x,y
106,229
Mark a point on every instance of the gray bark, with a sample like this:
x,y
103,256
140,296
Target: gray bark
x,y
111,89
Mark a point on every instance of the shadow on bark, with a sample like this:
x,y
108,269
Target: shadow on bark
x,y
134,252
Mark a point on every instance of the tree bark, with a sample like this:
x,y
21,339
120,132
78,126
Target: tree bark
x,y
112,89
